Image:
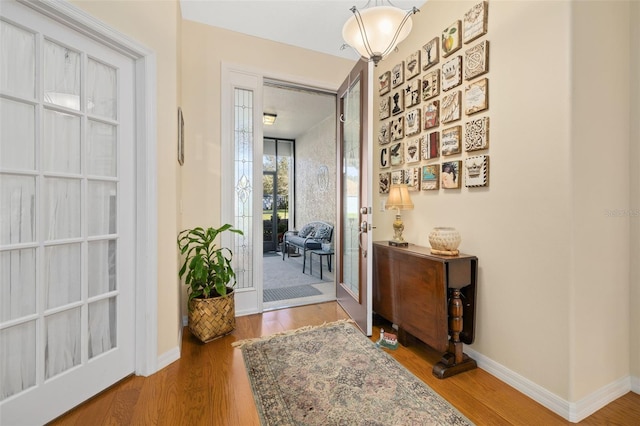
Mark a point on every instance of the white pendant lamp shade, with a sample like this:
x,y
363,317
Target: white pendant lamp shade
x,y
376,31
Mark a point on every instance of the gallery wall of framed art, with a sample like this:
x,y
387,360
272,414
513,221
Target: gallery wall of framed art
x,y
434,110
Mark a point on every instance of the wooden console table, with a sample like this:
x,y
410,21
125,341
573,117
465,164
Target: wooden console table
x,y
429,297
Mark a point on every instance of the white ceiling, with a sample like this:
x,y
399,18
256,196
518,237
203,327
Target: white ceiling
x,y
309,24
298,111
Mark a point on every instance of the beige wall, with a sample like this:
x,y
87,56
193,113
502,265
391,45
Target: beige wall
x,y
600,147
553,269
155,25
634,205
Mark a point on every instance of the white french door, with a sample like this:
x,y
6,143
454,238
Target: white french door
x,y
67,230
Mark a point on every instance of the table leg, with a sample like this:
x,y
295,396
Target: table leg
x,y
454,361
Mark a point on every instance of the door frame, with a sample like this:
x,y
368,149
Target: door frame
x,y
249,300
146,215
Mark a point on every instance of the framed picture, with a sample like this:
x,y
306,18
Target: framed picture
x,y
412,65
397,75
384,110
431,85
476,60
431,112
450,143
396,154
452,73
430,146
412,122
384,134
397,128
412,93
397,177
412,151
451,39
385,158
476,96
385,182
180,137
430,179
450,174
397,102
476,171
412,178
430,54
384,83
475,21
450,108
476,134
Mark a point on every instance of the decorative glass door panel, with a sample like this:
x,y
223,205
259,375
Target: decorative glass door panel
x,y
354,262
351,192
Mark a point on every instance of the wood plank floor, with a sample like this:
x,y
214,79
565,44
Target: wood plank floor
x,y
209,385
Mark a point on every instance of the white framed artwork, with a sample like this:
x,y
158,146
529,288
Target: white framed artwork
x,y
475,21
452,73
476,171
412,151
476,134
476,60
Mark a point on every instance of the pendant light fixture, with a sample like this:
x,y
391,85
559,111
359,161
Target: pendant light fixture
x,y
375,31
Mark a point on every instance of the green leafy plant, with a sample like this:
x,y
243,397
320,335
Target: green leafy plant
x,y
207,268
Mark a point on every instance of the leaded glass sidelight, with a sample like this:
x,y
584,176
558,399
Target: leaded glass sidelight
x,y
243,186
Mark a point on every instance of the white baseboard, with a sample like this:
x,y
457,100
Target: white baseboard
x,y
591,403
571,411
635,384
168,357
185,321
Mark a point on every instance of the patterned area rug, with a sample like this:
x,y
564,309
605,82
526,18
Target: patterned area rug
x,y
334,375
273,294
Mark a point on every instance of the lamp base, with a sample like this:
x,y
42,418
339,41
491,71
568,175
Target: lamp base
x,y
398,243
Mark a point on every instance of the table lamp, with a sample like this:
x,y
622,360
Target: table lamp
x,y
398,199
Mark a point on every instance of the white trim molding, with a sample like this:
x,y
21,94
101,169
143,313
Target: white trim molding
x,y
571,411
146,321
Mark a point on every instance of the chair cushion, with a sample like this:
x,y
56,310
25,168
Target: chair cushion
x,y
298,241
322,233
306,230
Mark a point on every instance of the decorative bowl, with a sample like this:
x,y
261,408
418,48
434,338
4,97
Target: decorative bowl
x,y
444,238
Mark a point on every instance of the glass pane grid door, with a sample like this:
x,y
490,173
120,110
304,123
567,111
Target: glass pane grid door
x,y
59,203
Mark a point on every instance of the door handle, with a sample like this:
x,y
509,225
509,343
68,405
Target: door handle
x,y
363,230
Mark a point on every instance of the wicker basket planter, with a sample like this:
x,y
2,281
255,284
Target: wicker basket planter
x,y
212,318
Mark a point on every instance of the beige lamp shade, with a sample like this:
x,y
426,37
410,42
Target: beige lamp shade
x,y
376,31
399,198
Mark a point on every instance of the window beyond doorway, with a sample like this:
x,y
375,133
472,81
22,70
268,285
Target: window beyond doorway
x,y
277,185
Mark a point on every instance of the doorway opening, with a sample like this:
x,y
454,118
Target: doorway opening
x,y
299,186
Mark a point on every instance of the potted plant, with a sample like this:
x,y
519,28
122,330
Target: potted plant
x,y
210,278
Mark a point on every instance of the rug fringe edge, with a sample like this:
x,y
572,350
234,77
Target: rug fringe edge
x,y
243,342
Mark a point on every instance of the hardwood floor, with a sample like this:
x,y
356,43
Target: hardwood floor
x,y
209,385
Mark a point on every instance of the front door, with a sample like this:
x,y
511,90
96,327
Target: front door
x,y
354,262
67,221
